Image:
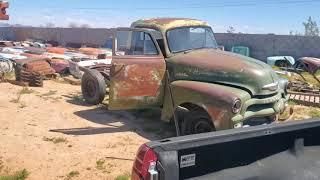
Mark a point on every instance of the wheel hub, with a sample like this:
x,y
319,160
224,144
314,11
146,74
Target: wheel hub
x,y
91,88
202,127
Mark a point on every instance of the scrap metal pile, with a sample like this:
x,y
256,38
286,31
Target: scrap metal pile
x,y
301,91
304,93
34,61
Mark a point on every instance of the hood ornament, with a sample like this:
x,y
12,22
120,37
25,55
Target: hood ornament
x,y
271,87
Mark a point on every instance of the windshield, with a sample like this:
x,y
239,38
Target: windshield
x,y
188,38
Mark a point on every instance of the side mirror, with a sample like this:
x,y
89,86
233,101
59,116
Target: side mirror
x,y
3,10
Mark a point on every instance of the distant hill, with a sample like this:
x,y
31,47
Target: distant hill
x,y
4,24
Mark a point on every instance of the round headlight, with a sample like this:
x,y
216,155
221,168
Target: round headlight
x,y
236,107
286,88
285,85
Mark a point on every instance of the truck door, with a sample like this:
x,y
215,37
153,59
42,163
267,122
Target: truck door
x,y
137,71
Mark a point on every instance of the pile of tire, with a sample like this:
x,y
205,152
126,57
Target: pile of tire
x,y
6,65
33,78
33,72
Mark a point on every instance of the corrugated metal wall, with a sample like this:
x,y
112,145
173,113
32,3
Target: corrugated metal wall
x,y
61,35
264,45
261,45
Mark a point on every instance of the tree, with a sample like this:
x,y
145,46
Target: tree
x,y
85,26
231,29
72,25
295,33
311,27
291,33
50,25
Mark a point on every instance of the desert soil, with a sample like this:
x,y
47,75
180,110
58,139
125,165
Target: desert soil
x,y
51,132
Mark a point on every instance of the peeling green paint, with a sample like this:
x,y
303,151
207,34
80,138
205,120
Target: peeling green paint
x,y
209,78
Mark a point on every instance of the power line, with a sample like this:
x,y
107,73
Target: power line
x,y
206,6
247,3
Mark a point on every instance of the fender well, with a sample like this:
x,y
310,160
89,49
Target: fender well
x,y
215,99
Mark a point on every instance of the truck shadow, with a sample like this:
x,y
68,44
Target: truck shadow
x,y
146,123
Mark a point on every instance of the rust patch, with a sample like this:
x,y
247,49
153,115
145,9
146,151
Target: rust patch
x,y
164,24
219,117
91,51
56,50
214,91
136,82
34,56
139,80
41,67
33,71
164,21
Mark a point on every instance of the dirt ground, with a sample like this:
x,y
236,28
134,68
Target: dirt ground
x,y
53,134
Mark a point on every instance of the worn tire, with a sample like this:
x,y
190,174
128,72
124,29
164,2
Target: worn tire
x,y
196,121
93,87
17,70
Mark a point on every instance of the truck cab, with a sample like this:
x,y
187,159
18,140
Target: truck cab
x,y
175,64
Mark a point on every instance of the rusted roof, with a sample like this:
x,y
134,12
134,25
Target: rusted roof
x,y
164,24
312,65
311,60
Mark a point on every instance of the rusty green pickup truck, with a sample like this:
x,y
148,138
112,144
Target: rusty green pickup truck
x,y
175,64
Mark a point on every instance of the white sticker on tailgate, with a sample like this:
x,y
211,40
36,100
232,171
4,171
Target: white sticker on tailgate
x,y
187,160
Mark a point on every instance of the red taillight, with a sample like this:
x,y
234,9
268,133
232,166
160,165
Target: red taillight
x,y
145,158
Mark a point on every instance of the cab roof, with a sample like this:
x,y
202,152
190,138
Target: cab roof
x,y
163,24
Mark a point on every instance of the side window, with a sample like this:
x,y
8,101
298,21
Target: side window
x,y
108,43
135,43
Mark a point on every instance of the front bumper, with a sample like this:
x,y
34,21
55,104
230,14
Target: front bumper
x,y
261,108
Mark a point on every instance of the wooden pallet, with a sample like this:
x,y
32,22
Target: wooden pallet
x,y
305,99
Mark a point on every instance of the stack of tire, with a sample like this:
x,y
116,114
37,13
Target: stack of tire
x,y
18,68
33,72
23,75
33,79
6,65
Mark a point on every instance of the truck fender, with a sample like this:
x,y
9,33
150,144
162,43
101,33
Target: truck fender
x,y
216,100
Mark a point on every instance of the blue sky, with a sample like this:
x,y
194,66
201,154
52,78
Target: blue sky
x,y
247,16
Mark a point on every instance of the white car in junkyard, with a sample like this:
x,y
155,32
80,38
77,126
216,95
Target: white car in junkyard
x,y
75,68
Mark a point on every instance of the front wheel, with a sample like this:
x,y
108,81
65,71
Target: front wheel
x,y
93,86
196,121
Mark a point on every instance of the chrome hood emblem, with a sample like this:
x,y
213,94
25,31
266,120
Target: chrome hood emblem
x,y
271,87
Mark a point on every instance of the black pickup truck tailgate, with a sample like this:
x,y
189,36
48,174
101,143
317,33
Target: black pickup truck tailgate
x,y
276,151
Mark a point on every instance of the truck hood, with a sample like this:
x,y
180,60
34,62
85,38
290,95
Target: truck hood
x,y
216,66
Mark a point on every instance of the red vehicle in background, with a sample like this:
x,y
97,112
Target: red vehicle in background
x,y
3,10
